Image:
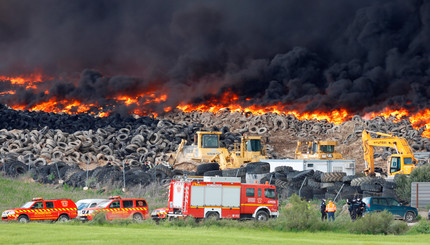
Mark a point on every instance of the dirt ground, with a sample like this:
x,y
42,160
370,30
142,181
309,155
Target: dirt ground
x,y
285,143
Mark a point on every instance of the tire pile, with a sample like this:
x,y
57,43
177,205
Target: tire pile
x,y
312,184
309,184
269,123
59,146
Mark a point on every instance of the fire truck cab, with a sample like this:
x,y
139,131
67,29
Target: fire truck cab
x,y
40,209
219,197
117,208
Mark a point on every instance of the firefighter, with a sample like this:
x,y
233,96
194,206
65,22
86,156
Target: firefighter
x,y
330,209
360,205
323,212
352,208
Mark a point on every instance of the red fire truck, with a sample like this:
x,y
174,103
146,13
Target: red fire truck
x,y
219,197
39,209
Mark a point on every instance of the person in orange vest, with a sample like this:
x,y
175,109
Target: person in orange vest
x,y
330,209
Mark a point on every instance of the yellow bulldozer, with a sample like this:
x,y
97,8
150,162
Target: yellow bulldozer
x,y
403,162
317,150
206,148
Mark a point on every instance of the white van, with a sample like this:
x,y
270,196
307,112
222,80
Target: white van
x,y
88,203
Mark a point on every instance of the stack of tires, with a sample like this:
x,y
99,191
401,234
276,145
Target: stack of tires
x,y
312,184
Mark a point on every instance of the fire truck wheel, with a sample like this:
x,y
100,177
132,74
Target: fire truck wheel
x,y
261,216
63,218
212,215
23,219
137,217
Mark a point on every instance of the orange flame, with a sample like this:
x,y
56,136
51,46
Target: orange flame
x,y
28,81
142,103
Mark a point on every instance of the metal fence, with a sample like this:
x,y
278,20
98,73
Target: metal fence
x,y
420,194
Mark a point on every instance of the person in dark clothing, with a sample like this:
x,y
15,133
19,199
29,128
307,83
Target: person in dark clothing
x,y
352,208
360,208
323,212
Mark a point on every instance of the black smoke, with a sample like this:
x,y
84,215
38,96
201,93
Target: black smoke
x,y
308,55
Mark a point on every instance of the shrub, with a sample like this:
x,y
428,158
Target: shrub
x,y
300,215
398,227
99,218
377,223
421,227
420,174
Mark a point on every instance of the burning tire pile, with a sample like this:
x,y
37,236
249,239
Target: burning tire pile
x,y
57,147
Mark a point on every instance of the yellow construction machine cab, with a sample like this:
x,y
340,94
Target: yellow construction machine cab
x,y
250,149
317,150
401,163
208,146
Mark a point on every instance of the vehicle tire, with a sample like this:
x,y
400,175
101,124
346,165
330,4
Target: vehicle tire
x,y
300,176
332,177
347,179
281,184
63,218
359,181
314,184
16,168
258,168
389,185
283,169
409,217
202,168
212,216
317,175
371,187
164,169
234,172
213,173
280,176
23,219
138,217
262,216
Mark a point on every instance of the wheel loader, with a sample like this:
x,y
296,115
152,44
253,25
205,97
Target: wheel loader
x,y
317,150
206,148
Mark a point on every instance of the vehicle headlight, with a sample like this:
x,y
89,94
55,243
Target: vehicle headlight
x,y
6,213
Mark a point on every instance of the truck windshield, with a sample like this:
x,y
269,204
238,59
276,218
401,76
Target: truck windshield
x,y
270,193
253,145
210,141
82,205
27,205
408,160
327,148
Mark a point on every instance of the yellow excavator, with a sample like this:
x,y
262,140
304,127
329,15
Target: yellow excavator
x,y
402,162
317,150
206,148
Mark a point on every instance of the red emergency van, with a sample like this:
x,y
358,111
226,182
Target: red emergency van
x,y
117,208
39,209
219,197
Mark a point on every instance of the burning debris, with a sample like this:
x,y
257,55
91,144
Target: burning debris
x,y
346,58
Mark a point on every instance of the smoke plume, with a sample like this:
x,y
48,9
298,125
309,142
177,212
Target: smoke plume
x,y
308,55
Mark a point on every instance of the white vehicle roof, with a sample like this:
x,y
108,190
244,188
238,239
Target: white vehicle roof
x,y
90,200
85,203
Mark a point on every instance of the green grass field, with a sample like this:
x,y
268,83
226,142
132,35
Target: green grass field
x,y
42,233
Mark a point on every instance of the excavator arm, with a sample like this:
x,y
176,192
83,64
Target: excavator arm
x,y
400,144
